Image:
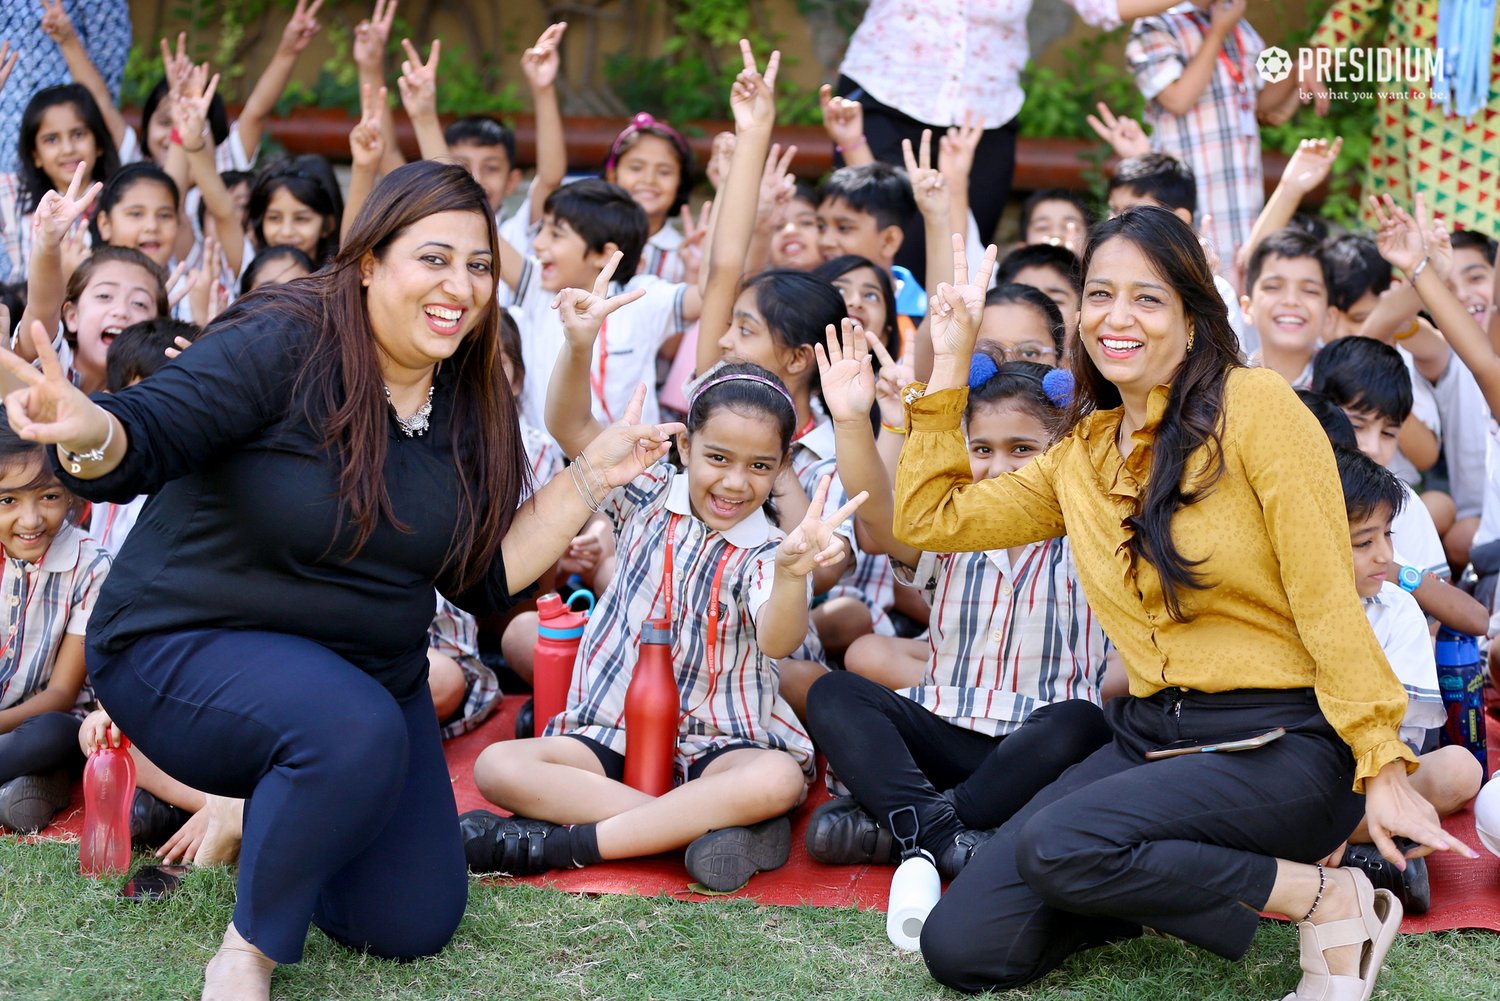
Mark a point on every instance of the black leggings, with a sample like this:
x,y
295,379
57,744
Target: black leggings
x,y
989,184
893,753
42,744
1186,845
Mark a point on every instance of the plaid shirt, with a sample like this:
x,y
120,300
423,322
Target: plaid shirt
x,y
44,602
662,255
1006,639
543,453
455,634
1219,137
730,701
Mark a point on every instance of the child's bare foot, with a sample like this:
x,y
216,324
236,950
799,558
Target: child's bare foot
x,y
221,842
238,972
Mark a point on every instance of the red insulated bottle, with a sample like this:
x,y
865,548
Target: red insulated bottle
x,y
559,631
108,788
652,712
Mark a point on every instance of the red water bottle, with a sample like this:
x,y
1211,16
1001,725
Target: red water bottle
x,y
108,788
652,712
559,630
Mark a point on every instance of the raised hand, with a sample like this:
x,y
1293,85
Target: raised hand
x,y
894,376
179,283
1311,163
56,213
372,35
1124,135
1397,234
956,150
176,66
928,185
955,310
1224,15
815,542
48,408
366,140
1437,242
843,119
7,61
542,61
301,29
694,237
627,448
56,23
846,374
190,110
418,80
777,185
206,283
582,313
753,96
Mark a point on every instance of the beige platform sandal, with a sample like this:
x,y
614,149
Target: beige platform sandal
x,y
1374,927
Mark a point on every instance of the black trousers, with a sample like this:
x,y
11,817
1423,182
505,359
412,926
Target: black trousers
x,y
893,753
1186,845
989,184
42,744
350,821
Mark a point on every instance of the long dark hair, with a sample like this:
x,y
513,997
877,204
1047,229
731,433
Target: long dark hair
x,y
34,180
341,386
311,181
1194,416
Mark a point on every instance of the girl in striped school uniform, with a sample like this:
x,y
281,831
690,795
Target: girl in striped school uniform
x,y
1010,678
694,545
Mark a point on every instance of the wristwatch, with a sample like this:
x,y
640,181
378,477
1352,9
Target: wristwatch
x,y
1409,579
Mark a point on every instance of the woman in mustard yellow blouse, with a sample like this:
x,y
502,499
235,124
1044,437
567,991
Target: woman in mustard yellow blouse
x,y
1208,525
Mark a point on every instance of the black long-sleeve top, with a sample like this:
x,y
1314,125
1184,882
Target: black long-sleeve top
x,y
243,529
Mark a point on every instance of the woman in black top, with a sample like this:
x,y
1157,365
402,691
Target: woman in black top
x,y
335,448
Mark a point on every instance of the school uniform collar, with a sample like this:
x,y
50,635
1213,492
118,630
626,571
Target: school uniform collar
x,y
754,530
61,556
819,441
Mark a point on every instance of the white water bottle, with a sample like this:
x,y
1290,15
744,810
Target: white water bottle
x,y
914,893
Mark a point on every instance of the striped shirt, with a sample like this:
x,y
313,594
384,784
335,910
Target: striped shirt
x,y
731,701
1218,137
662,255
44,602
543,453
1006,640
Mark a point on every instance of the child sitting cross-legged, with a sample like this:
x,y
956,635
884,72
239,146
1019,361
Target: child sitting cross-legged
x,y
1449,776
742,760
1007,698
52,575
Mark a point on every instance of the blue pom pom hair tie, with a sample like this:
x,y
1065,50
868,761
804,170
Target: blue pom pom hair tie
x,y
1058,385
982,369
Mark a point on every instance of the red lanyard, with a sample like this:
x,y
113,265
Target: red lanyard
x,y
596,382
806,429
712,639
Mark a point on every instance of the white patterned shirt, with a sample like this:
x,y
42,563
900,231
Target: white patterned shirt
x,y
1005,640
1401,629
733,700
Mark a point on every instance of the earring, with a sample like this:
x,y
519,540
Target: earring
x,y
1191,332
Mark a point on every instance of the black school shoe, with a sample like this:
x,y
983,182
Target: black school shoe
x,y
153,821
957,855
28,803
1410,887
841,832
724,860
513,845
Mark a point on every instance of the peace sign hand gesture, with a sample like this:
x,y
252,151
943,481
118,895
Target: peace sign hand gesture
x,y
541,62
582,313
55,214
894,376
48,408
371,36
418,80
301,29
815,542
56,23
366,140
753,96
928,184
846,373
1123,133
190,110
954,312
7,61
627,448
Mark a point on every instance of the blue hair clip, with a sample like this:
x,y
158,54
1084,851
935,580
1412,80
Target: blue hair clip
x,y
1058,385
982,369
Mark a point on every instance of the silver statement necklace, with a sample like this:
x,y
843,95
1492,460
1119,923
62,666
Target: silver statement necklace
x,y
416,425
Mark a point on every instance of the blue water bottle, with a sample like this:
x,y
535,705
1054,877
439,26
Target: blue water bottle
x,y
1461,680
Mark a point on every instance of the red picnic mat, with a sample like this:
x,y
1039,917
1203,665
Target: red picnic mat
x,y
1466,894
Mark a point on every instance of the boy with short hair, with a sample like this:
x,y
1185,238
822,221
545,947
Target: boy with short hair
x,y
487,149
583,225
1287,281
1055,270
865,210
1057,217
1449,776
1474,274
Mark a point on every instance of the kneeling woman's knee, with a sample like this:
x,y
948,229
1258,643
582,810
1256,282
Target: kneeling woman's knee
x,y
410,932
958,958
1060,861
367,744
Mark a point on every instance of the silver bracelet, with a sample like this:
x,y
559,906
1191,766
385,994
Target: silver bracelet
x,y
579,484
76,460
1421,265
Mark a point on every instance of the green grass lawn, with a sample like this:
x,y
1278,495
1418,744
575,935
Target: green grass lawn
x,y
67,938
